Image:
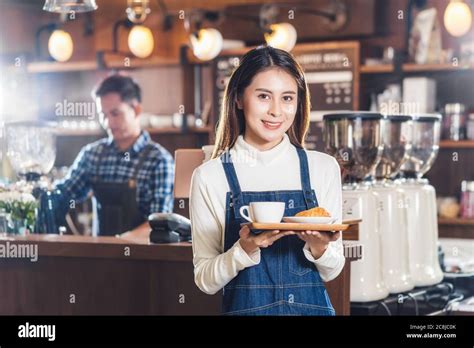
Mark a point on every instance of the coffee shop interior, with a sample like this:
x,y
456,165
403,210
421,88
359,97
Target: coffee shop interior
x,y
391,86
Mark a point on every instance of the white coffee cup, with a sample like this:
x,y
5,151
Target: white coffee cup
x,y
263,212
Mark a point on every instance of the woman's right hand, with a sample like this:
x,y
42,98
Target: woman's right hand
x,y
251,242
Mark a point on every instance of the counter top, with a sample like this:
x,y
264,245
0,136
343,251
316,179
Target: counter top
x,y
113,247
115,276
102,247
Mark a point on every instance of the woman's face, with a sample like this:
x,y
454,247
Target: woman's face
x,y
269,104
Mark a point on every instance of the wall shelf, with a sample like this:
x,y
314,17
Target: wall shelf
x,y
456,221
91,65
376,69
52,67
411,67
456,228
79,132
451,144
164,130
175,130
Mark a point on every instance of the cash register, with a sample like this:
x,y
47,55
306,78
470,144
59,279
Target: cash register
x,y
169,228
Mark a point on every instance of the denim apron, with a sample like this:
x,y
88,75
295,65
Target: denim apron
x,y
284,282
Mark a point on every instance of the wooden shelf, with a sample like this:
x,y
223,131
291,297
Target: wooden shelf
x,y
118,62
51,67
411,67
456,228
79,132
175,130
112,62
376,69
435,67
451,144
456,221
164,130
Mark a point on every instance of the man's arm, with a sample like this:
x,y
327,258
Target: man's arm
x,y
77,184
140,233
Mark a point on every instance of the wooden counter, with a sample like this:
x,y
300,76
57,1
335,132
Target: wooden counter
x,y
77,275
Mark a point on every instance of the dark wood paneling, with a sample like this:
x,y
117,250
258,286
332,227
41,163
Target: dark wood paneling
x,y
450,168
150,280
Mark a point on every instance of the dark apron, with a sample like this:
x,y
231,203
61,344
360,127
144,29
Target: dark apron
x,y
115,204
284,282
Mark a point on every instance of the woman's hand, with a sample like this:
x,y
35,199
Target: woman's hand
x,y
318,241
251,242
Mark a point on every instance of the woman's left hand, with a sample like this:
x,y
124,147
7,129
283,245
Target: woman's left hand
x,y
317,241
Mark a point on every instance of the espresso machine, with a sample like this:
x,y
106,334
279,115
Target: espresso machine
x,y
391,208
420,197
31,150
354,139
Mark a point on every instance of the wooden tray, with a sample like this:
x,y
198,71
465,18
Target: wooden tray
x,y
294,226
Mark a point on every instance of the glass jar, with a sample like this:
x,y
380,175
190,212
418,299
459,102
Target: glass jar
x,y
4,218
454,122
467,199
470,125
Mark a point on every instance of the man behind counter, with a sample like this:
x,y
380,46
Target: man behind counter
x,y
129,175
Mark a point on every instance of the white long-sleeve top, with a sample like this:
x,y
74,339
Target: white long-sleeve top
x,y
272,170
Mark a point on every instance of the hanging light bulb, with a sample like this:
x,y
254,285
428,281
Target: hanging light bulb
x,y
207,44
457,18
140,41
67,6
282,36
60,45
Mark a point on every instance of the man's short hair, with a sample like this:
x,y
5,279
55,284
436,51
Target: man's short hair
x,y
125,86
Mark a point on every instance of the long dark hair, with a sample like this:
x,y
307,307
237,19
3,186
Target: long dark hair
x,y
232,122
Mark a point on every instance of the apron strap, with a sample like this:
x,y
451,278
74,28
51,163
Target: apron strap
x,y
309,195
231,175
100,156
141,160
236,192
132,182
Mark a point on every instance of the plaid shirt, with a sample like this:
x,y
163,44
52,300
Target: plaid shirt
x,y
154,180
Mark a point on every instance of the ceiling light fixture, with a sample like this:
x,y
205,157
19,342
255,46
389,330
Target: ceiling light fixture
x,y
457,18
68,6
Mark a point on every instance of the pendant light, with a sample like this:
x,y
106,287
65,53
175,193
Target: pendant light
x,y
67,6
282,36
60,45
140,38
457,18
207,43
140,41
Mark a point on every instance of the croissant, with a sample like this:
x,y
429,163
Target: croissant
x,y
318,211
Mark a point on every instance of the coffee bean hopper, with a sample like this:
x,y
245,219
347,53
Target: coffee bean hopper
x,y
354,139
422,220
391,210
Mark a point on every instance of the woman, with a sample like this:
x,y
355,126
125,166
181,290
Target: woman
x,y
259,156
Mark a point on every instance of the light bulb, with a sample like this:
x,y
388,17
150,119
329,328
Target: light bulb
x,y
140,41
283,36
208,43
60,45
457,18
